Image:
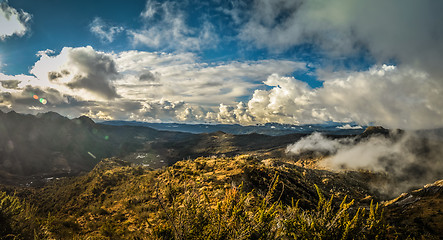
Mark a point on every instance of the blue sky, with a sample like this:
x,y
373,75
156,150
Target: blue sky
x,y
236,61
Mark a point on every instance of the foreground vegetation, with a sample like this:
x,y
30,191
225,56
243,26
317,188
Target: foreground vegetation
x,y
207,198
242,215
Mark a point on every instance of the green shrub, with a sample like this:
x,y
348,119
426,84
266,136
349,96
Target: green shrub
x,y
241,215
17,219
10,208
325,222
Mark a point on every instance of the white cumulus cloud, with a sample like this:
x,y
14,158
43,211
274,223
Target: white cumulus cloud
x,y
396,97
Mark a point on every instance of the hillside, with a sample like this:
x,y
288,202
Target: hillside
x,y
119,201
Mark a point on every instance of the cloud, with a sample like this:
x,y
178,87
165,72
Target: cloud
x,y
315,142
396,97
47,52
166,28
160,109
408,159
348,126
287,101
104,31
180,77
33,99
231,114
12,22
408,31
80,68
10,84
149,76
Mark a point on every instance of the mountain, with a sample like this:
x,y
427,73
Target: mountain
x,y
50,144
419,211
273,129
33,148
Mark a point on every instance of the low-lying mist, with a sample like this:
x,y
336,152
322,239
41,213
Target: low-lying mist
x,y
409,159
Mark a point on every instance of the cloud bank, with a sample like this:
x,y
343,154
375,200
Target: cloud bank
x,y
80,69
136,85
396,97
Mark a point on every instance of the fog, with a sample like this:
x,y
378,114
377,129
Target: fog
x,y
408,159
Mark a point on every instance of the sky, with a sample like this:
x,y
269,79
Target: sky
x,y
226,61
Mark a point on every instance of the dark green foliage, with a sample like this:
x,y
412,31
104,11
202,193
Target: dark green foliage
x,y
10,208
17,219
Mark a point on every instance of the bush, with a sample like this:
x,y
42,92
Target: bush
x,y
241,215
17,219
325,222
10,208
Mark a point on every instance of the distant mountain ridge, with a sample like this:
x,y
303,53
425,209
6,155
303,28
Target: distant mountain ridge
x,y
273,129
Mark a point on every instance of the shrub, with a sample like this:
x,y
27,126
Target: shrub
x,y
241,215
17,219
325,222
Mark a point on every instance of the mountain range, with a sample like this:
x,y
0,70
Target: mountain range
x,y
48,144
273,129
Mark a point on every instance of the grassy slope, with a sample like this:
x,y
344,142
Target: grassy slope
x,y
119,200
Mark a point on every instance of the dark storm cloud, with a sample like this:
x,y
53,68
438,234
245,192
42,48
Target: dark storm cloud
x,y
407,31
149,76
10,84
54,98
52,76
5,97
94,84
95,72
